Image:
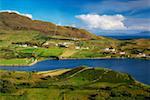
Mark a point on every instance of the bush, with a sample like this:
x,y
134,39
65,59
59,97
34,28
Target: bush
x,y
41,84
26,84
115,93
7,86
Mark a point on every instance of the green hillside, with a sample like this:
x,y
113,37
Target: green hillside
x,y
81,83
13,21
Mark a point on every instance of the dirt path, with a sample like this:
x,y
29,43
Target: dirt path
x,y
53,72
79,72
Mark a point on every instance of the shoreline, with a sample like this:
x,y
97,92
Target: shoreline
x,y
67,69
22,65
36,60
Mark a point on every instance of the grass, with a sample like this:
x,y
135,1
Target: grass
x,y
87,54
25,56
18,36
68,53
34,94
50,52
26,50
24,61
43,52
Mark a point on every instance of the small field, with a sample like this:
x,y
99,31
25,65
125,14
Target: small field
x,y
68,53
24,61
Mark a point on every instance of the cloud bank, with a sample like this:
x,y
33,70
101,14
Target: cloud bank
x,y
13,11
113,22
104,22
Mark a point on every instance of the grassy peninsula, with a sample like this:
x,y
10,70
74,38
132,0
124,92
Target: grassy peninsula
x,y
81,83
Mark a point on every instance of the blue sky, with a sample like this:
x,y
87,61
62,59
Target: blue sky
x,y
97,16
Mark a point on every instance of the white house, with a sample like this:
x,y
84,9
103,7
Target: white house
x,y
35,47
110,49
141,55
24,45
106,49
77,47
122,53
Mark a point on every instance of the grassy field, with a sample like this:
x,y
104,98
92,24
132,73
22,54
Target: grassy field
x,y
23,61
68,53
88,54
19,36
81,83
50,52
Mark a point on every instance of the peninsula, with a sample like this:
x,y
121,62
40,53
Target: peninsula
x,y
80,83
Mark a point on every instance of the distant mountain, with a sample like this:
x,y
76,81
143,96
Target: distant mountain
x,y
144,33
135,35
13,21
129,37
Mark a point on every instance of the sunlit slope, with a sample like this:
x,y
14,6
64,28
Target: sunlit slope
x,y
13,21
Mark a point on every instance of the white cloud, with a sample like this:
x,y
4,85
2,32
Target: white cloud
x,y
103,22
13,11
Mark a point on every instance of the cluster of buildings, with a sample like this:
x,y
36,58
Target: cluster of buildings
x,y
26,45
141,55
82,48
114,51
72,45
65,45
60,44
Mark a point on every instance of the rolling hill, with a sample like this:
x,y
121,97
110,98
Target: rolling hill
x,y
13,21
80,83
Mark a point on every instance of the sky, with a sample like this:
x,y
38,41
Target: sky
x,y
102,17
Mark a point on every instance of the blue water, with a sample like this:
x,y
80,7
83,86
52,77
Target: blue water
x,y
129,37
139,69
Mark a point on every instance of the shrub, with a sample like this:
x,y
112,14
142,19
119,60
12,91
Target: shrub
x,y
7,86
26,84
42,84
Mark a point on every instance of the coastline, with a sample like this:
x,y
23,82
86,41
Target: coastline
x,y
37,60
